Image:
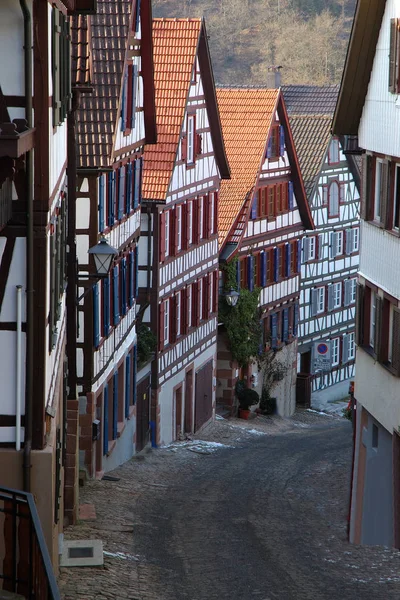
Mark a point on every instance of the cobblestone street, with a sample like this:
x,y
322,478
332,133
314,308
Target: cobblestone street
x,y
251,510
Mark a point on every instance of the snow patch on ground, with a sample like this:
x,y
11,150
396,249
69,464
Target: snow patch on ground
x,y
319,412
200,446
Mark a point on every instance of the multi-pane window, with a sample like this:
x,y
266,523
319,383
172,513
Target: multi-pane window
x,y
312,248
190,221
211,289
339,243
378,189
396,199
167,233
317,301
212,213
336,243
337,294
201,217
190,139
189,305
372,320
351,347
166,322
57,267
61,69
335,345
200,297
350,291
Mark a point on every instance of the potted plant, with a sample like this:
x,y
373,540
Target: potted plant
x,y
247,397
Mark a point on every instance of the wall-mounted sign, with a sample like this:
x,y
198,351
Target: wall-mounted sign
x,y
322,356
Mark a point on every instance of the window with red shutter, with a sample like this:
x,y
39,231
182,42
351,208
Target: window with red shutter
x,y
216,291
271,200
196,221
201,216
162,236
216,200
199,140
206,296
161,326
191,139
172,320
184,148
188,308
209,214
129,99
200,295
189,222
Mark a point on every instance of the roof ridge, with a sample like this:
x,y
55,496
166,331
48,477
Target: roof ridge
x,y
226,86
178,19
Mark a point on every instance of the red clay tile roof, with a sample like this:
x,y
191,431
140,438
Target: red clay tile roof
x,y
175,44
81,52
98,113
246,116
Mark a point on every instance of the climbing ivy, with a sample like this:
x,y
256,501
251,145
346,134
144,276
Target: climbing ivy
x,y
242,322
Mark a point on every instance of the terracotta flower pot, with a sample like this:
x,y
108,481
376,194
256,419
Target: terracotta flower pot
x,y
244,414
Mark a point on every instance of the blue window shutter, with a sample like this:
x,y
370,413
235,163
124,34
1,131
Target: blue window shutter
x,y
287,259
115,405
140,179
136,187
127,385
274,331
276,264
281,140
101,203
105,419
134,86
137,15
299,256
123,286
285,324
136,253
106,306
250,273
111,198
290,191
124,104
295,319
134,374
269,147
131,267
129,188
254,208
96,329
238,274
121,192
263,268
116,295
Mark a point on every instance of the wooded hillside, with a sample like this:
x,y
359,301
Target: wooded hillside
x,y
308,38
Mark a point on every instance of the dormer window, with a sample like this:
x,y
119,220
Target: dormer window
x,y
276,142
190,139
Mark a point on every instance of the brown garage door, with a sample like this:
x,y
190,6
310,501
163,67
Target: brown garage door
x,y
203,395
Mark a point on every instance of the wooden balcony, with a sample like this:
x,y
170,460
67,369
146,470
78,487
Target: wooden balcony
x,y
5,203
16,138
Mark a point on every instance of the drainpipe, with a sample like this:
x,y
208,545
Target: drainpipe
x,y
18,371
28,60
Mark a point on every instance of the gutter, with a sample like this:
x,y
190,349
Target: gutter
x,y
28,60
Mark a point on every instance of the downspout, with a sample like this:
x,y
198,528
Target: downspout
x,y
18,370
29,250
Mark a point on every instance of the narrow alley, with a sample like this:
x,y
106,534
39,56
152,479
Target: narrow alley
x,y
260,513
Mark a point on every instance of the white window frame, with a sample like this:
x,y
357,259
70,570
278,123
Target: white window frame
x,y
312,248
201,308
335,343
339,243
337,294
190,139
351,352
189,306
321,300
356,239
166,322
395,204
212,208
211,287
190,218
377,191
372,324
179,226
201,217
167,231
178,306
353,292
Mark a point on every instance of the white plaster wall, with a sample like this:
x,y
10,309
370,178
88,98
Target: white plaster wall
x,y
377,390
12,47
8,354
17,276
374,265
166,394
379,128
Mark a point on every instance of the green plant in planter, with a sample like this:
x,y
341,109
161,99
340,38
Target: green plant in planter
x,y
248,398
267,402
146,343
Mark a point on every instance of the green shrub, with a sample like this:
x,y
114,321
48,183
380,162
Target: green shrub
x,y
248,398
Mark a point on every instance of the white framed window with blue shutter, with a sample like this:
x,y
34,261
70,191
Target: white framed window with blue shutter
x,y
333,244
287,259
127,384
250,273
295,319
106,306
281,140
285,325
111,198
345,348
276,264
290,195
101,203
96,316
131,278
306,249
136,255
263,268
121,192
137,16
298,256
136,185
274,331
238,274
320,246
115,286
123,286
331,296
128,187
115,406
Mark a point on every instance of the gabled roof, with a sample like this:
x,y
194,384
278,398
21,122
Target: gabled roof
x,y
358,66
176,43
98,113
246,117
310,110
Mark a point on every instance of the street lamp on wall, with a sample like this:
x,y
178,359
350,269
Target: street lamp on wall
x,y
232,297
103,255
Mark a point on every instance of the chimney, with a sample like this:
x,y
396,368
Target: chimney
x,y
274,78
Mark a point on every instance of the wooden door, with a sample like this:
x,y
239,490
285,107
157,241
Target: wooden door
x,y
178,412
189,402
142,413
303,389
203,395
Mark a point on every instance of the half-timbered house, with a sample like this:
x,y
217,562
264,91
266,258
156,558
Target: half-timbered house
x,y
368,115
178,258
330,253
113,124
35,96
263,213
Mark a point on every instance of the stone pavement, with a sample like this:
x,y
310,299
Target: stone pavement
x,y
248,509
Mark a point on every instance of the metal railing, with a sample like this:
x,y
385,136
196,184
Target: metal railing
x,y
5,203
25,567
